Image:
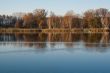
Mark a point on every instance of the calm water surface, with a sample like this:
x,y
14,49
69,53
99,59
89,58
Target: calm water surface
x,y
55,53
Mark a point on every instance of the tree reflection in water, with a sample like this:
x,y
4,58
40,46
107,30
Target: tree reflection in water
x,y
92,41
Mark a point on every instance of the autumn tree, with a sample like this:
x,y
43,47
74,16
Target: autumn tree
x,y
91,20
51,20
19,23
40,18
102,13
54,21
68,19
29,21
76,21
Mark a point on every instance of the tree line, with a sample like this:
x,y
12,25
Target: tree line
x,y
93,18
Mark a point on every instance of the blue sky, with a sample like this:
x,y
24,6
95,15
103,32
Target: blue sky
x,y
58,6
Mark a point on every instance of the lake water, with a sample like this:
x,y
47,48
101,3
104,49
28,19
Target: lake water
x,y
55,53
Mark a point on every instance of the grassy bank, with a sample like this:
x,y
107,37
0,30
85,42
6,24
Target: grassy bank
x,y
19,30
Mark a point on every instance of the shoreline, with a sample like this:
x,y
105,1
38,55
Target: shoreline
x,y
74,30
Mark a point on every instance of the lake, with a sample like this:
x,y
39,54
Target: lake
x,y
55,53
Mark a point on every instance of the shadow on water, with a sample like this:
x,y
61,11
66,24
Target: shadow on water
x,y
99,42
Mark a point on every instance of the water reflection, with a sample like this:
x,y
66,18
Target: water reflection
x,y
56,41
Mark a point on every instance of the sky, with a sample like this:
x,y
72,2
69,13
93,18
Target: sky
x,y
60,7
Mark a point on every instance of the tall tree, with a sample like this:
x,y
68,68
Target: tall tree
x,y
54,21
68,19
40,17
29,21
90,19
